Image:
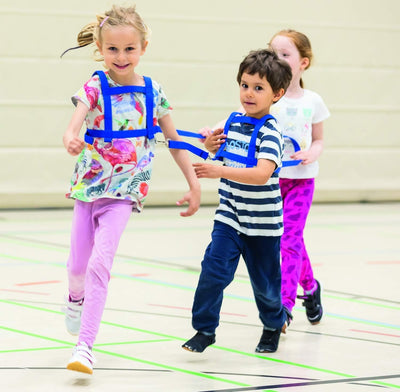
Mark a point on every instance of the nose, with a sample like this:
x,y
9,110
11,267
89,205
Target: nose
x,y
120,55
249,92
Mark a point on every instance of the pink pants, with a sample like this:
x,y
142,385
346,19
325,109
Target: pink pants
x,y
96,230
297,195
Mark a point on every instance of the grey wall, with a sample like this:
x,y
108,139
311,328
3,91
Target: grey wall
x,y
194,52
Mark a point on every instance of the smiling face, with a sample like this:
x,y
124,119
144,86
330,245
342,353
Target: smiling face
x,y
121,47
256,95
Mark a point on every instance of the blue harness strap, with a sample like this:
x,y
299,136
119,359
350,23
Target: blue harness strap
x,y
108,133
296,147
249,160
180,145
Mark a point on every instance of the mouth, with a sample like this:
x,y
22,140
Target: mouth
x,y
121,67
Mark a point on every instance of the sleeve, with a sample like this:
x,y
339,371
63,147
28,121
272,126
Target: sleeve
x,y
321,111
271,144
88,94
162,105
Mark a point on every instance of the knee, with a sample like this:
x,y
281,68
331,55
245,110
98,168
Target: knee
x,y
98,273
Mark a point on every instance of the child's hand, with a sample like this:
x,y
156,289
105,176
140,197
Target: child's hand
x,y
306,156
193,198
213,142
74,145
205,170
206,131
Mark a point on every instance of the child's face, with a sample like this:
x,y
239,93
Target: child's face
x,y
256,95
121,47
287,50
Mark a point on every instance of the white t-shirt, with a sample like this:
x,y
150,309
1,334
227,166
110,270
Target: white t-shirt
x,y
295,117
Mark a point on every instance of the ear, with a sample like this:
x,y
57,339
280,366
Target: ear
x,y
144,46
98,44
305,62
278,95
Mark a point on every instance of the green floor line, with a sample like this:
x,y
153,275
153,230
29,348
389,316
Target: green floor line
x,y
385,384
25,350
161,267
176,369
357,301
32,261
166,336
171,337
156,364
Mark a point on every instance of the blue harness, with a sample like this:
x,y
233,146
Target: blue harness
x,y
108,133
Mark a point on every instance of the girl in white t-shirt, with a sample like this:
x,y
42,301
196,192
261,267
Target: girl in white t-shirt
x,y
300,113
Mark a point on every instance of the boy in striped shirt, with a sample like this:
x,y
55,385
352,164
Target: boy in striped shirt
x,y
248,221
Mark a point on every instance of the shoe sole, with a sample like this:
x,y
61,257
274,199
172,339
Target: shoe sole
x,y
79,367
190,350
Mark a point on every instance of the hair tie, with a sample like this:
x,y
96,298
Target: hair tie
x,y
103,21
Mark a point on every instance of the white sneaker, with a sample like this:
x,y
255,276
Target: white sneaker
x,y
82,359
73,312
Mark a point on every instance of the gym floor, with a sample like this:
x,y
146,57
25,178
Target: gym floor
x,y
356,256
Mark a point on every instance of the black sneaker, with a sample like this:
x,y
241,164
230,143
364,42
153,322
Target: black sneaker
x,y
312,303
289,318
269,341
199,342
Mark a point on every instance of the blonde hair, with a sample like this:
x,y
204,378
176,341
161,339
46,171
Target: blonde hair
x,y
117,16
301,42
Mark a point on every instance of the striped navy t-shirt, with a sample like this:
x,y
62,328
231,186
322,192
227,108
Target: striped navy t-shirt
x,y
254,210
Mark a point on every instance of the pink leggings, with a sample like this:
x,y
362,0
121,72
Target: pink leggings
x,y
297,195
96,230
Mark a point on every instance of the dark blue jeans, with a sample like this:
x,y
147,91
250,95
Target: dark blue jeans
x,y
262,257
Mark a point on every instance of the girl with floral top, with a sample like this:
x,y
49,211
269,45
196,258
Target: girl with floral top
x,y
122,111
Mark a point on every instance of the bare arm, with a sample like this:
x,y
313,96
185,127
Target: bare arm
x,y
316,148
182,159
72,142
258,175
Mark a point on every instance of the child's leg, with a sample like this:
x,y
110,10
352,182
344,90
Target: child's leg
x,y
306,280
82,236
110,218
262,258
217,271
297,198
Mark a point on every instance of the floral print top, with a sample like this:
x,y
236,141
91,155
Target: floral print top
x,y
120,169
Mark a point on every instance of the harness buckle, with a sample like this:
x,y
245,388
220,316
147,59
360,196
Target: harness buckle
x,y
162,142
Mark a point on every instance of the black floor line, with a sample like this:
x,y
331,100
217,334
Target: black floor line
x,y
309,383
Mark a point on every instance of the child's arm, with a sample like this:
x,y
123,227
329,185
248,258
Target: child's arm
x,y
316,148
258,175
181,157
72,142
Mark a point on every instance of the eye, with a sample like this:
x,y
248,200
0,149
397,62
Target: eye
x,y
244,85
259,88
130,49
112,48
